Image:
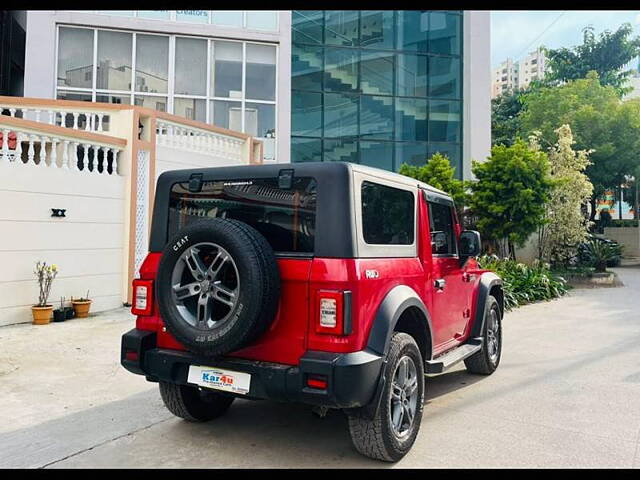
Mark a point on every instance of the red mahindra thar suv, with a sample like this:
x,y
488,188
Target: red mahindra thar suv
x,y
331,284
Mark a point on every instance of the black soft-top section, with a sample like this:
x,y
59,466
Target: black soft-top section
x,y
334,217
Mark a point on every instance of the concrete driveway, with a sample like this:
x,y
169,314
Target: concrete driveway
x,y
567,394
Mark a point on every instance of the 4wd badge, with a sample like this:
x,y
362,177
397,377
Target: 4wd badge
x,y
371,273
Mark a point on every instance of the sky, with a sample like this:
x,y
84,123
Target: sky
x,y
515,33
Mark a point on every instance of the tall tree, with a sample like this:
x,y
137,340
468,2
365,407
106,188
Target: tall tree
x,y
438,173
565,224
606,54
505,118
599,121
510,193
506,113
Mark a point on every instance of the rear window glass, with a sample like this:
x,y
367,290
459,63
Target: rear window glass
x,y
387,215
286,217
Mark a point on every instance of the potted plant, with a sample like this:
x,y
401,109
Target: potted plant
x,y
59,314
45,274
69,312
81,306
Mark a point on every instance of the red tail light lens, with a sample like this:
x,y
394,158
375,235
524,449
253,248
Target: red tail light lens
x,y
142,297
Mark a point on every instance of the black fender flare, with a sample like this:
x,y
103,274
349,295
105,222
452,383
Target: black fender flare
x,y
488,281
395,302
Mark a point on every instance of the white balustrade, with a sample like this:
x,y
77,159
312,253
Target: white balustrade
x,y
44,149
95,120
207,142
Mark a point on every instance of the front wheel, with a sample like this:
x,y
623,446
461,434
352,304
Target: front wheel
x,y
393,430
192,403
487,359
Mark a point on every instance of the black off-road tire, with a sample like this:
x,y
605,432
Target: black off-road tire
x,y
375,437
193,404
480,362
259,290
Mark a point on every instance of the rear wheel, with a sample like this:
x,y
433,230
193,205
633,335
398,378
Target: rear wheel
x,y
192,403
393,430
486,360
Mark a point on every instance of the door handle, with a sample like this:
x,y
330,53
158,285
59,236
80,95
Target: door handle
x,y
440,283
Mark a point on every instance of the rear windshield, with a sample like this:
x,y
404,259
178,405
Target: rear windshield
x,y
286,217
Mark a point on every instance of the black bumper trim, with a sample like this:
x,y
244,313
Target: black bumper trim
x,y
352,378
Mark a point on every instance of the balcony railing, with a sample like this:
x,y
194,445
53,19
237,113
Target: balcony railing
x,y
27,143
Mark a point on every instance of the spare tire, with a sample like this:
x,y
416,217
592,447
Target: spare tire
x,y
217,286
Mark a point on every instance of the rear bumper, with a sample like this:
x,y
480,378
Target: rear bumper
x,y
352,378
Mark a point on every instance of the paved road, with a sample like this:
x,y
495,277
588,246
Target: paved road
x,y
567,394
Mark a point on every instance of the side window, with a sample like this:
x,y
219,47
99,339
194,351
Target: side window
x,y
443,239
388,215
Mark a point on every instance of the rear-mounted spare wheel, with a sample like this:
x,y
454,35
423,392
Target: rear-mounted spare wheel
x,y
218,286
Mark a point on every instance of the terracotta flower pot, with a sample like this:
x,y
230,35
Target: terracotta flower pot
x,y
41,315
81,308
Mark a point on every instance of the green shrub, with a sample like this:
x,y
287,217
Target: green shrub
x,y
598,253
522,283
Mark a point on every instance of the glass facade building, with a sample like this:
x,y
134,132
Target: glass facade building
x,y
378,88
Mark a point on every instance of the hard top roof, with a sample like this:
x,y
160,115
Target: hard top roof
x,y
303,168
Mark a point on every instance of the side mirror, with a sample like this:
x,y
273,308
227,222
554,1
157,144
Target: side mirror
x,y
469,244
438,241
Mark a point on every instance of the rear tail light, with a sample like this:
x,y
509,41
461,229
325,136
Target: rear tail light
x,y
142,297
333,312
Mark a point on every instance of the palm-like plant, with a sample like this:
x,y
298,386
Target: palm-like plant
x,y
599,253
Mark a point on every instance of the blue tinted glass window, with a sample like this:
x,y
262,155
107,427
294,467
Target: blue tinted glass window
x,y
444,77
306,114
376,73
412,30
376,29
380,87
376,117
444,121
444,33
306,26
413,153
377,154
340,150
340,115
411,73
411,119
306,149
341,69
306,67
341,27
